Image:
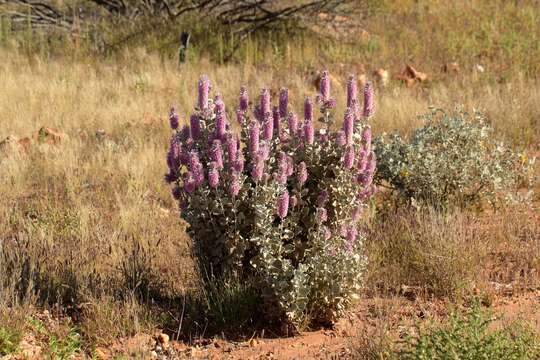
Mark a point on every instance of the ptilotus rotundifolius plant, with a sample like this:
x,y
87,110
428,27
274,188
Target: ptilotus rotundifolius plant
x,y
275,198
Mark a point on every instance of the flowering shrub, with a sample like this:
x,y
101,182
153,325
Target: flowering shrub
x,y
280,201
453,159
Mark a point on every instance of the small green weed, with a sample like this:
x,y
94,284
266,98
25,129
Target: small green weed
x,y
472,337
9,341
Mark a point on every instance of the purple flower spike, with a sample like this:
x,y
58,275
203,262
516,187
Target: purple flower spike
x,y
196,168
268,128
366,137
190,184
234,186
216,153
362,161
341,139
204,90
348,126
282,168
174,154
308,109
348,159
352,92
264,107
195,124
185,133
219,104
221,126
293,124
283,102
213,175
264,151
369,101
258,169
173,118
240,117
243,100
283,205
254,138
290,166
277,120
239,163
232,149
302,174
322,198
325,85
309,132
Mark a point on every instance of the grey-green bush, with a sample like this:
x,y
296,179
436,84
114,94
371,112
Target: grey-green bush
x,y
454,159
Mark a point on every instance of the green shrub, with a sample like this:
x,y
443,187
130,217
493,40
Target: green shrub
x,y
281,202
470,337
453,160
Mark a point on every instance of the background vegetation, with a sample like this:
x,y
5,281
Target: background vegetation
x,y
89,231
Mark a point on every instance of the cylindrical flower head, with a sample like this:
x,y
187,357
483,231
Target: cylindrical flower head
x,y
239,163
232,149
283,102
322,198
195,168
277,120
219,104
185,133
348,158
281,176
240,117
362,161
322,215
234,185
283,205
190,183
257,170
293,124
254,138
213,175
308,109
341,139
195,124
369,100
173,118
216,153
348,126
173,156
325,85
302,173
265,107
309,132
221,126
352,92
366,137
243,100
264,151
352,233
268,128
204,90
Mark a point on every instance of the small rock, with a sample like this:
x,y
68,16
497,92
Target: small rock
x,y
253,342
49,136
479,68
163,338
381,76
